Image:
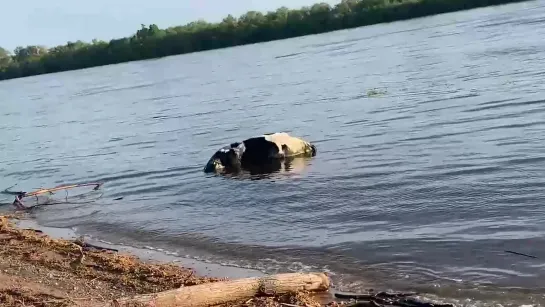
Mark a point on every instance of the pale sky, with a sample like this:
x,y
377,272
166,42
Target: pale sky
x,y
54,22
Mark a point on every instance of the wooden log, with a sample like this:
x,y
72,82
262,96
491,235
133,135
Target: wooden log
x,y
222,292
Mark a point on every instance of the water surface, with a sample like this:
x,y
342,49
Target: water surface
x,y
430,137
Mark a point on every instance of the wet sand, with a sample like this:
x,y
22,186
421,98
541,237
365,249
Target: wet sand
x,y
42,266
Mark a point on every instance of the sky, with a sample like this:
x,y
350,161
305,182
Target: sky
x,y
55,22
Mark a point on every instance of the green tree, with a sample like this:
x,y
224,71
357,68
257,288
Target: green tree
x,y
5,58
4,53
151,42
29,52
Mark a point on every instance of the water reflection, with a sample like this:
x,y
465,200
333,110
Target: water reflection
x,y
274,169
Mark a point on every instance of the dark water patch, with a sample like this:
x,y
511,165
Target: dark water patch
x,y
513,126
435,136
202,133
357,176
512,52
321,45
146,147
34,172
92,90
79,157
348,52
389,185
173,174
370,135
529,21
506,105
161,117
539,161
105,90
496,102
139,143
501,23
288,55
442,35
511,143
464,121
535,74
390,109
471,171
266,105
207,113
355,122
166,97
139,174
526,112
393,119
357,97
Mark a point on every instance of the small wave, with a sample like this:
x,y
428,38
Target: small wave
x,y
107,89
505,105
131,174
288,55
433,137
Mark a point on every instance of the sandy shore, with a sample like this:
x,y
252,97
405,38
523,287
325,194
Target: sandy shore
x,y
37,269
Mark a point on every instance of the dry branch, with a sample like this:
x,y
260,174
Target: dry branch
x,y
222,292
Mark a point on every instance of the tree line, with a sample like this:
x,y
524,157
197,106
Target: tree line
x,y
251,27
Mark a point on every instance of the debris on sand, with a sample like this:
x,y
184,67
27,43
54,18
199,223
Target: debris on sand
x,y
36,270
47,194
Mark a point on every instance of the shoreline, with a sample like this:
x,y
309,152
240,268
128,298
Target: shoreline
x,y
201,268
33,273
39,267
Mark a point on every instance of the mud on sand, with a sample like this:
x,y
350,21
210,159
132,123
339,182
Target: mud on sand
x,y
36,270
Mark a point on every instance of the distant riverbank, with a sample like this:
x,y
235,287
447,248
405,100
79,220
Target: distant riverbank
x,y
253,27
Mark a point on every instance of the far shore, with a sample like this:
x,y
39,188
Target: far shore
x,y
151,42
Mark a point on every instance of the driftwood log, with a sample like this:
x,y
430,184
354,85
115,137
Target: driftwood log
x,y
222,292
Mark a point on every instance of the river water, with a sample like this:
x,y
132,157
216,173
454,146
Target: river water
x,y
430,164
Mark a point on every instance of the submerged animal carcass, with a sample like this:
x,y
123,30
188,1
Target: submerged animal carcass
x,y
264,151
